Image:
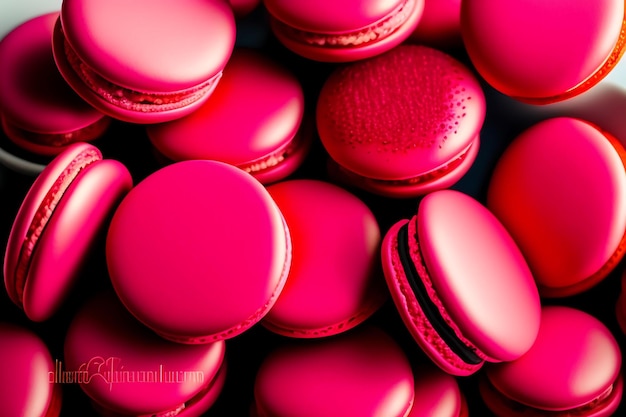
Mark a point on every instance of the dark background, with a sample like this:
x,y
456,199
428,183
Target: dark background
x,y
129,144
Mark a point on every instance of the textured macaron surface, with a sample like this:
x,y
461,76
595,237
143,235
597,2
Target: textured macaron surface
x,y
198,250
404,113
536,50
560,190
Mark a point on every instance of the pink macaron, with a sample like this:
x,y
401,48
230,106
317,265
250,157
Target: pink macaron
x,y
542,52
254,120
66,208
25,386
198,251
437,394
403,123
560,190
572,369
363,372
351,30
127,370
460,284
335,281
40,112
162,62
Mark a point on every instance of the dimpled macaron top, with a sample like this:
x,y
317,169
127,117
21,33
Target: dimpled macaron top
x,y
198,251
560,190
363,372
574,367
407,120
252,121
25,386
39,110
543,51
145,60
335,281
343,31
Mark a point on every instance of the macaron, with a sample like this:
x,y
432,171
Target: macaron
x,y
460,284
335,281
328,31
560,190
543,52
573,368
64,211
198,251
25,386
127,370
363,372
162,64
40,112
254,121
437,393
401,124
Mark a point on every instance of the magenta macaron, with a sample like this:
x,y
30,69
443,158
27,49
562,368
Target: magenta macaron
x,y
254,120
40,112
62,214
26,389
127,370
344,31
461,284
560,190
198,251
542,52
162,61
572,369
335,281
403,123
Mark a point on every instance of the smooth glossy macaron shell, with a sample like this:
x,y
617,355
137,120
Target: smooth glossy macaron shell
x,y
254,120
335,281
363,372
545,51
198,251
437,394
164,64
61,215
560,190
25,375
40,112
574,366
464,251
340,32
126,368
429,110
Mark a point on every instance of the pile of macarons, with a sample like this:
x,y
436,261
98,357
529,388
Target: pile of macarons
x,y
268,208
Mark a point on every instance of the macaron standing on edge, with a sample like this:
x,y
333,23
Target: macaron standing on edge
x,y
401,124
63,212
444,268
163,65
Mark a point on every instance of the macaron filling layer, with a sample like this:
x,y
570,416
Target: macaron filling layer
x,y
605,399
374,32
85,134
44,213
128,99
274,158
432,308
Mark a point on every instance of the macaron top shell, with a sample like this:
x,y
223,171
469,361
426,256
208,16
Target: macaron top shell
x,y
363,372
254,112
198,251
560,189
151,45
436,394
574,360
33,95
24,378
128,368
538,50
334,281
406,112
479,274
